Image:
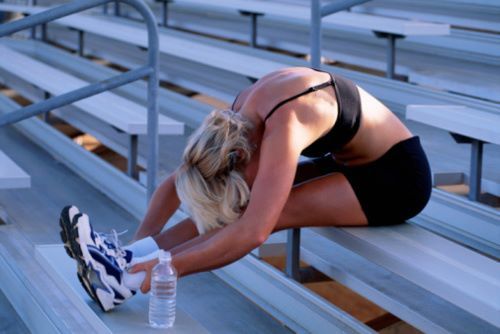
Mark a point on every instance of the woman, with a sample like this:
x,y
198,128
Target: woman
x,y
241,180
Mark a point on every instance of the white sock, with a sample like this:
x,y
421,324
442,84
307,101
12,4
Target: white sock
x,y
143,247
134,281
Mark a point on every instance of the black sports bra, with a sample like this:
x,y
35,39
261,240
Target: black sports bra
x,y
348,119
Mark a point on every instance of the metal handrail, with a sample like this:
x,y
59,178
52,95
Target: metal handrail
x,y
317,13
150,70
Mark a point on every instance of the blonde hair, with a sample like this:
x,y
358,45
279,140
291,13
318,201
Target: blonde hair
x,y
210,181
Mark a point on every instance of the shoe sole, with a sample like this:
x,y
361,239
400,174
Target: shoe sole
x,y
66,224
86,281
82,275
70,238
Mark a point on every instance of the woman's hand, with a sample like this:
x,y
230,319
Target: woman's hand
x,y
148,268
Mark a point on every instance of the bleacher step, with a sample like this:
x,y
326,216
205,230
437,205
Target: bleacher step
x,y
11,175
450,271
125,115
416,305
130,317
29,289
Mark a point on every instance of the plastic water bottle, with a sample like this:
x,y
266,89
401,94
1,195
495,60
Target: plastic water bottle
x,y
163,292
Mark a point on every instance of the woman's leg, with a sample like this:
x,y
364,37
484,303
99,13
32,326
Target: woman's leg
x,y
328,200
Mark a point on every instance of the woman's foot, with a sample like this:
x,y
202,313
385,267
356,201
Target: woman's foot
x,y
101,260
103,281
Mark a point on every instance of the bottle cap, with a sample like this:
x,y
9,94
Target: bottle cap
x,y
164,256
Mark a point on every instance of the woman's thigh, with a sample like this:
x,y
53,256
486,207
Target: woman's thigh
x,y
327,200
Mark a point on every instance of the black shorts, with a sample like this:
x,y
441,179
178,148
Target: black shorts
x,y
391,189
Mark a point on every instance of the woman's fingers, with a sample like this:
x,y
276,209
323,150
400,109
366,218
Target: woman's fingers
x,y
146,284
136,268
148,268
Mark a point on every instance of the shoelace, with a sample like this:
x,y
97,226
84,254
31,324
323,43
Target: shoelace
x,y
111,239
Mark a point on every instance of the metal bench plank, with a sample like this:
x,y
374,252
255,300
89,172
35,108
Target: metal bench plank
x,y
412,303
468,16
243,63
458,119
130,317
125,115
30,290
172,104
469,223
451,271
11,175
360,21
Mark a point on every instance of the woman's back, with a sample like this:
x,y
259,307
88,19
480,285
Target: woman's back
x,y
377,131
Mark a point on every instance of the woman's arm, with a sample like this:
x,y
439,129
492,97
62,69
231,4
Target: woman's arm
x,y
281,146
162,206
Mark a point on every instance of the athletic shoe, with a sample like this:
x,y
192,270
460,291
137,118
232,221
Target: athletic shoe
x,y
102,280
66,223
108,243
101,262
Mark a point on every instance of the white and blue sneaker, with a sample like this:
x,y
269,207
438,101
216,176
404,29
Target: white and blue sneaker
x,y
105,280
101,260
66,223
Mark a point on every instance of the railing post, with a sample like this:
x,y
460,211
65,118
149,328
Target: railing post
x,y
44,37
46,116
81,43
315,34
117,8
164,12
292,266
391,56
476,166
132,156
317,13
390,52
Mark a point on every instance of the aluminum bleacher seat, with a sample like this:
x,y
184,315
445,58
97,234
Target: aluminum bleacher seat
x,y
171,104
476,54
126,116
431,282
11,175
469,223
471,14
243,63
466,126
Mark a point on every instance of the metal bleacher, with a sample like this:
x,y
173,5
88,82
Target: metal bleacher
x,y
439,272
123,115
199,77
435,61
